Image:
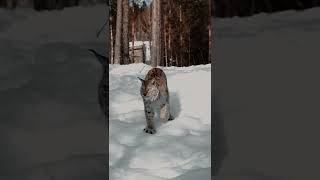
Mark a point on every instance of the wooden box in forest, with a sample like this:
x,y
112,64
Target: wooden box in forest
x,y
139,54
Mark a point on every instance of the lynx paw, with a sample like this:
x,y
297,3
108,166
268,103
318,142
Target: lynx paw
x,y
149,130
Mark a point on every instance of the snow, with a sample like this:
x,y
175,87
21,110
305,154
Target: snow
x,y
140,2
51,124
180,146
266,69
48,92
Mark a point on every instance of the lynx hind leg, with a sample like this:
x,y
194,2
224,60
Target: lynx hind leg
x,y
165,113
150,128
168,106
170,117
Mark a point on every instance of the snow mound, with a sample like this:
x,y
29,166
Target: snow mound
x,y
179,146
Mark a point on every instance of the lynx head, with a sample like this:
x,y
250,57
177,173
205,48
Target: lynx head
x,y
149,90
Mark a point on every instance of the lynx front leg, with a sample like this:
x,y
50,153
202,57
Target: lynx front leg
x,y
149,119
165,113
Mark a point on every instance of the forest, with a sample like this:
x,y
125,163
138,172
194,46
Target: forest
x,y
165,32
179,31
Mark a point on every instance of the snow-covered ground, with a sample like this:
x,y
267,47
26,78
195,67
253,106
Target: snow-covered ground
x,y
179,148
266,95
51,125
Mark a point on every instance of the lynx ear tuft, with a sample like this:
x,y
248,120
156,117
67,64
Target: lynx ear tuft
x,y
141,79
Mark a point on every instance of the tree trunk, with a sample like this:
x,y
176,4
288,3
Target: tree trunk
x,y
51,4
139,25
176,59
212,36
150,34
162,36
111,45
11,4
165,41
117,46
189,47
125,33
25,3
209,33
181,38
111,54
169,39
60,4
108,34
268,5
155,46
159,52
133,35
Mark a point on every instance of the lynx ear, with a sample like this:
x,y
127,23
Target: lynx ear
x,y
141,79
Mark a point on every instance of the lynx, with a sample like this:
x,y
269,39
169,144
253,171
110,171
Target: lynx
x,y
155,94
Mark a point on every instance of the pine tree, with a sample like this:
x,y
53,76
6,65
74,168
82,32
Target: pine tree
x,y
117,47
155,39
125,32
